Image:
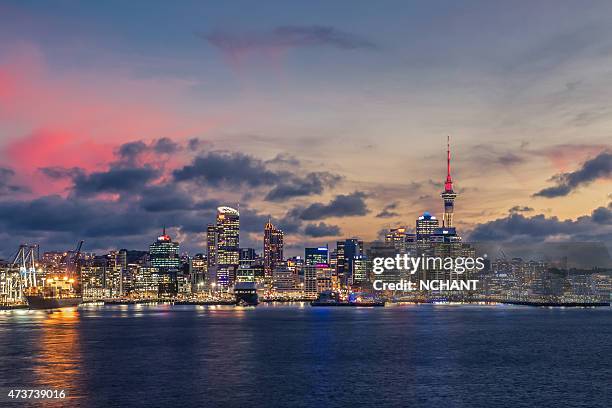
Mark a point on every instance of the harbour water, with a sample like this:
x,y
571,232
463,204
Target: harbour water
x,y
293,355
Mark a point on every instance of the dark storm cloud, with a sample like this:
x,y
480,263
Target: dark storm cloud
x,y
227,168
321,230
517,227
237,169
6,185
288,37
387,211
163,198
77,216
597,168
341,206
312,183
603,215
115,180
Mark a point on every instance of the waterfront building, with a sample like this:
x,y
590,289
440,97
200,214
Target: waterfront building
x,y
326,279
283,279
199,271
310,280
273,248
146,282
92,281
346,251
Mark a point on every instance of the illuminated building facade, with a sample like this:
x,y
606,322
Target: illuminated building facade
x,y
227,246
316,256
164,253
211,245
273,248
448,195
426,224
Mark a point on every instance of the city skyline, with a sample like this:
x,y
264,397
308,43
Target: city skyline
x,y
107,136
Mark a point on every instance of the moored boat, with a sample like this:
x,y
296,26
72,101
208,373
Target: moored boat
x,y
246,294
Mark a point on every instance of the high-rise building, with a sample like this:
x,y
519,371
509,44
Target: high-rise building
x,y
164,256
316,256
227,245
310,280
360,269
121,258
346,251
426,224
199,271
340,261
273,248
164,253
448,195
211,245
284,278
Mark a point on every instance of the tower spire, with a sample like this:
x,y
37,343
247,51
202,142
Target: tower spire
x,y
448,195
448,185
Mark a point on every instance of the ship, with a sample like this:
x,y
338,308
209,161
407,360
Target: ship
x,y
246,294
60,289
41,302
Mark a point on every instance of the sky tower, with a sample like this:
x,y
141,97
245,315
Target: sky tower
x,y
448,195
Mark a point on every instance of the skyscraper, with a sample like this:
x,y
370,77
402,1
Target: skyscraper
x,y
273,248
448,195
346,252
426,224
211,245
164,256
227,245
164,253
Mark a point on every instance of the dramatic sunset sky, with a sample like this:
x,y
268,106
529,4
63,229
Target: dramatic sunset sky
x,y
118,117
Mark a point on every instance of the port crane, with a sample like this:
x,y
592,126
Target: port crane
x,y
20,274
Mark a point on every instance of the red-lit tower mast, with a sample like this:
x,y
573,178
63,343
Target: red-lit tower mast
x,y
448,195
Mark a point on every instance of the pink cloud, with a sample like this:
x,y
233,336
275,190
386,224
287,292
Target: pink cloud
x,y
78,118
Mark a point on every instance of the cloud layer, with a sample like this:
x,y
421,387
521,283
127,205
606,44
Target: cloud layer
x,y
600,167
284,37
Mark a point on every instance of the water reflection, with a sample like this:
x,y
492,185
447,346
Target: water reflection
x,y
57,365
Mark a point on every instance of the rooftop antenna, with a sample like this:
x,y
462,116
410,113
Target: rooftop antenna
x,y
448,185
